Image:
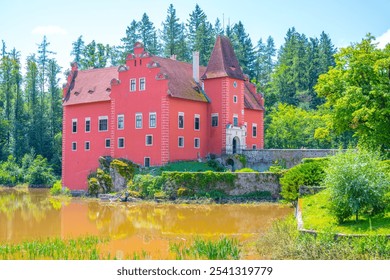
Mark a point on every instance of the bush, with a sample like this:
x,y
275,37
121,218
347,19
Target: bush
x,y
245,170
57,189
358,184
93,186
147,185
39,172
304,174
10,172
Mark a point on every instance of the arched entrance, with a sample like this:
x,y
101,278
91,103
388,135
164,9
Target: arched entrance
x,y
236,145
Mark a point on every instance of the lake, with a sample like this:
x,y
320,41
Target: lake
x,y
143,228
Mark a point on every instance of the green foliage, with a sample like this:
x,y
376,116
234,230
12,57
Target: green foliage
x,y
245,170
183,192
125,168
321,160
147,185
57,189
39,172
215,165
104,179
358,183
242,159
93,186
304,174
10,172
160,195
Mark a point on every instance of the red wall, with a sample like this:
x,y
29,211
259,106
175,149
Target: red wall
x,y
251,117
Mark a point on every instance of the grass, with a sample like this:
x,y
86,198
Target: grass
x,y
200,249
284,242
317,216
181,166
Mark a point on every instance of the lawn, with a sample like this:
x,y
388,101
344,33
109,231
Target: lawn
x,y
316,215
181,166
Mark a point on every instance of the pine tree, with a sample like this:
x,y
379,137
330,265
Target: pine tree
x,y
148,35
183,52
197,18
132,37
326,53
218,29
171,34
77,50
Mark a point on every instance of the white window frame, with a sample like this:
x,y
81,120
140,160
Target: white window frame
x,y
254,125
74,121
105,143
88,119
145,161
235,99
144,84
140,115
133,82
180,114
155,119
146,139
196,116
197,138
212,116
121,138
178,141
235,116
74,146
117,122
85,145
100,119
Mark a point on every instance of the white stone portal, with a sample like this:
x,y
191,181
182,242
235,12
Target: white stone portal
x,y
235,139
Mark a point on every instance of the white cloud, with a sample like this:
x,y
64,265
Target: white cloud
x,y
49,30
384,39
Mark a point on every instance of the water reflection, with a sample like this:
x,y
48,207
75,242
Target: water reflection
x,y
150,227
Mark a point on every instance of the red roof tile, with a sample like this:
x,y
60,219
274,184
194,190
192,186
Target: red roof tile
x,y
92,86
181,83
252,99
223,61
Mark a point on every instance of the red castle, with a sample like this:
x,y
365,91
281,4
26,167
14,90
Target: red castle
x,y
156,110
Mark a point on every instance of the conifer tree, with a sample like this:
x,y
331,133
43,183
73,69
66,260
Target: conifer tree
x,y
77,50
171,33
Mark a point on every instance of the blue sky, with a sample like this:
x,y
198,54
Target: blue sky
x,y
24,23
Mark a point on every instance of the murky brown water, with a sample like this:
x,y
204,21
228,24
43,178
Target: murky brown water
x,y
148,227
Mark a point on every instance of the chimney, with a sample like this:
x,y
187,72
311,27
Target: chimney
x,y
195,66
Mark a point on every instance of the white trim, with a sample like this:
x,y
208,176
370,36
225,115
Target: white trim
x,y
74,146
117,121
135,85
121,138
178,141
197,138
138,114
253,126
214,115
235,99
151,114
105,143
85,125
85,145
140,84
178,120
73,122
102,118
196,116
146,140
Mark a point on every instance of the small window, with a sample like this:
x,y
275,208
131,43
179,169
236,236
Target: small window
x,y
147,162
235,120
142,84
196,143
152,120
254,130
87,124
74,125
181,120
214,120
138,120
103,123
87,145
197,122
234,84
133,85
74,146
107,143
181,142
149,140
121,142
121,121
254,147
235,99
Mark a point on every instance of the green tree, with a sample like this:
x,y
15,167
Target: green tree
x,y
77,50
357,93
148,35
358,184
171,33
132,37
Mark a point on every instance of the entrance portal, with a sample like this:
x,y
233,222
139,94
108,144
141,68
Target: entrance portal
x,y
236,145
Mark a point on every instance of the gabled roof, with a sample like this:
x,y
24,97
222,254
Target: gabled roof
x,y
223,61
91,86
181,83
252,99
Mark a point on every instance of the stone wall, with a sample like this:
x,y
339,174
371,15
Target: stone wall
x,y
261,160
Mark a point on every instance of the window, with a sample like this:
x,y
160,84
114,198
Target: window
x,y
235,120
254,147
87,145
141,83
74,125
149,140
74,146
181,142
235,98
107,143
133,85
138,120
121,121
103,123
87,124
254,130
152,120
196,143
121,142
214,120
234,84
147,161
181,120
197,122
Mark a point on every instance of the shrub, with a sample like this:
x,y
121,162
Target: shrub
x,y
39,172
10,172
245,170
57,189
304,174
318,159
93,186
358,184
124,167
183,192
147,185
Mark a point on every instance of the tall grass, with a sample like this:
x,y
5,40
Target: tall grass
x,y
283,241
222,249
